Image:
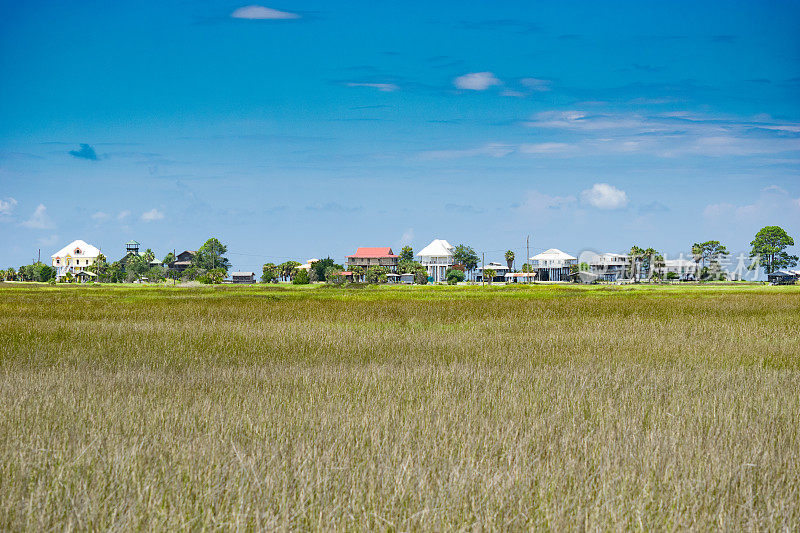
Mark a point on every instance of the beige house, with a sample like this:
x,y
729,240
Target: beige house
x,y
74,258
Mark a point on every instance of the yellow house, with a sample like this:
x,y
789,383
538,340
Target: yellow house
x,y
74,258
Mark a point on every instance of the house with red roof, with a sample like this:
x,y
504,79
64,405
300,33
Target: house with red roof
x,y
366,257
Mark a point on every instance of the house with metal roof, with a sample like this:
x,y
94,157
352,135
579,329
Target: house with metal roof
x,y
552,265
366,257
437,257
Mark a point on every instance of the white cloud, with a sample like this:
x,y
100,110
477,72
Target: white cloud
x,y
383,87
152,215
7,206
99,216
491,150
605,196
772,201
262,13
476,81
123,215
39,219
672,134
544,148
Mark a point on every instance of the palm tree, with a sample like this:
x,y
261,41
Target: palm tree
x,y
509,259
636,255
648,259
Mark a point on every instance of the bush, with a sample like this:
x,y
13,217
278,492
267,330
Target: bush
x,y
301,278
421,277
454,275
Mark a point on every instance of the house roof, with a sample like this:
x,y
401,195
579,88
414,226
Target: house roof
x,y
86,250
242,274
132,243
437,248
552,254
367,252
521,275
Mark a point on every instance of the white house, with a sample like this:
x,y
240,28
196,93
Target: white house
x,y
500,271
74,258
684,268
609,266
552,265
307,265
437,257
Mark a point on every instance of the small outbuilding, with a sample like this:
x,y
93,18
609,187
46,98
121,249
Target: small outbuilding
x,y
407,278
243,277
782,277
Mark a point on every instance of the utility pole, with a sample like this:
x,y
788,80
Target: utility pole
x,y
483,268
527,255
40,257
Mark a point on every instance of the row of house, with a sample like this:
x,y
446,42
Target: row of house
x,y
550,265
437,258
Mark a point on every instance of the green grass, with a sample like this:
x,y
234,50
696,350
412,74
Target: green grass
x,y
547,407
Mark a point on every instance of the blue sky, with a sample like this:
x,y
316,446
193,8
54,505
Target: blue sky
x,y
304,129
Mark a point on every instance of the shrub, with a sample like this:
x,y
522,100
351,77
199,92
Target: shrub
x,y
301,277
454,275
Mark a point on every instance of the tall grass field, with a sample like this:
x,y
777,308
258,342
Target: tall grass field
x,y
399,408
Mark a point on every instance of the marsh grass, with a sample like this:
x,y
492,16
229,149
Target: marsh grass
x,y
400,408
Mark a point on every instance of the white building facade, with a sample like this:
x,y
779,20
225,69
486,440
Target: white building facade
x,y
75,257
437,257
610,266
552,265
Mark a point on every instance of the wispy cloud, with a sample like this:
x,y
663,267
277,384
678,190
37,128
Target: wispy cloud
x,y
545,148
464,209
490,150
476,81
85,152
771,202
382,87
537,202
50,240
669,134
7,206
407,237
152,215
255,12
537,84
39,219
604,196
100,216
123,215
333,207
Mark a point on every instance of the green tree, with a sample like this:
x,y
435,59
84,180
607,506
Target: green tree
x,y
711,252
769,249
466,256
636,256
358,272
287,270
509,259
212,255
421,277
489,275
407,254
269,273
11,274
454,275
320,266
376,275
169,258
301,277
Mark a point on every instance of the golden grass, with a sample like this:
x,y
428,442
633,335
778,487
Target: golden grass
x,y
400,408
